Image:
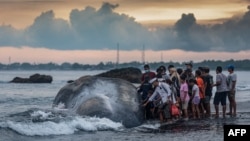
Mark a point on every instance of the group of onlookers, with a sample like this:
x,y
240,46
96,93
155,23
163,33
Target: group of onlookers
x,y
190,91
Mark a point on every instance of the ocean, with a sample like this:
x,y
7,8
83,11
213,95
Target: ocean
x,y
27,115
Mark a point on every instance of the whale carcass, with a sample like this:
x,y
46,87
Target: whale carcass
x,y
113,98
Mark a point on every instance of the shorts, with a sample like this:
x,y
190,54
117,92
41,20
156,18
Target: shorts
x,y
184,105
231,94
207,99
196,100
220,97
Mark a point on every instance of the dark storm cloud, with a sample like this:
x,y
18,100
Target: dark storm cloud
x,y
103,28
234,34
47,31
9,36
88,29
230,36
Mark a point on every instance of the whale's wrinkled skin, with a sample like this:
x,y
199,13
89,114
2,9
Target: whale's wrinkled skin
x,y
112,98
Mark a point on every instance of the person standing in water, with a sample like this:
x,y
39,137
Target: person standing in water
x,y
221,92
208,90
231,79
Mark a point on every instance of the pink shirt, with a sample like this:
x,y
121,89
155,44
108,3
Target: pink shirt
x,y
184,91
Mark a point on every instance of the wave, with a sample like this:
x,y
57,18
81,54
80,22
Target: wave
x,y
46,125
243,87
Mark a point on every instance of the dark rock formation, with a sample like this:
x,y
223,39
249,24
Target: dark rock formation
x,y
35,78
130,74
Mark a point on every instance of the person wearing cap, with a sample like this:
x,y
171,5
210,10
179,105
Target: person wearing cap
x,y
221,92
231,79
163,91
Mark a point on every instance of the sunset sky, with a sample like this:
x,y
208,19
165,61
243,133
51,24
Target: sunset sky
x,y
84,31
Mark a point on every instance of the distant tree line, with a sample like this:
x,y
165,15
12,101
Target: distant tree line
x,y
212,64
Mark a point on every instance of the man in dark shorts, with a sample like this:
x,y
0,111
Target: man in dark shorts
x,y
221,92
208,90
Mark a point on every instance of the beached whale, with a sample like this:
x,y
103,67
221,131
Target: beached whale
x,y
112,98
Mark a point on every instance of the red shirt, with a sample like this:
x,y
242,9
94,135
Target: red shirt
x,y
148,74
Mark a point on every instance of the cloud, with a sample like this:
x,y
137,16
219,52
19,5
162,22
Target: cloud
x,y
230,36
95,29
104,28
47,31
234,34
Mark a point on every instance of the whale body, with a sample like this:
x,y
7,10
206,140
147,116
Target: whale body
x,y
113,98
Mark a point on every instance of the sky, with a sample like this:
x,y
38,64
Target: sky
x,y
83,31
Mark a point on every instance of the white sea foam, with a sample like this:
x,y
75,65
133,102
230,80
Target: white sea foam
x,y
243,87
41,114
105,92
63,127
150,126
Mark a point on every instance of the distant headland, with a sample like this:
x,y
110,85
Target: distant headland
x,y
212,64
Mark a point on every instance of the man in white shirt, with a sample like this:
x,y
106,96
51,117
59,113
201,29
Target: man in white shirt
x,y
221,92
163,91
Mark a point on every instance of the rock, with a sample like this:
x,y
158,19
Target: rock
x,y
111,98
130,74
20,80
35,78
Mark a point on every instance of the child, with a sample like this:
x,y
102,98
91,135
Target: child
x,y
195,98
184,96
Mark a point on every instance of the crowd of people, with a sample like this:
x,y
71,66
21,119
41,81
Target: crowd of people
x,y
189,90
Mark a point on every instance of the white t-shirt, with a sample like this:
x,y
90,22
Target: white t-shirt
x,y
222,78
195,90
232,77
163,90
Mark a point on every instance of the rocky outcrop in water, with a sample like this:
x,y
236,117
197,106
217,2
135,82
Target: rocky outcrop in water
x,y
35,78
130,74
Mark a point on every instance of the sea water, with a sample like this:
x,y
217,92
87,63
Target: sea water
x,y
27,114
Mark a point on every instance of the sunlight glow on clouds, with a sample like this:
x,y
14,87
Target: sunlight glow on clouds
x,y
43,55
61,28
